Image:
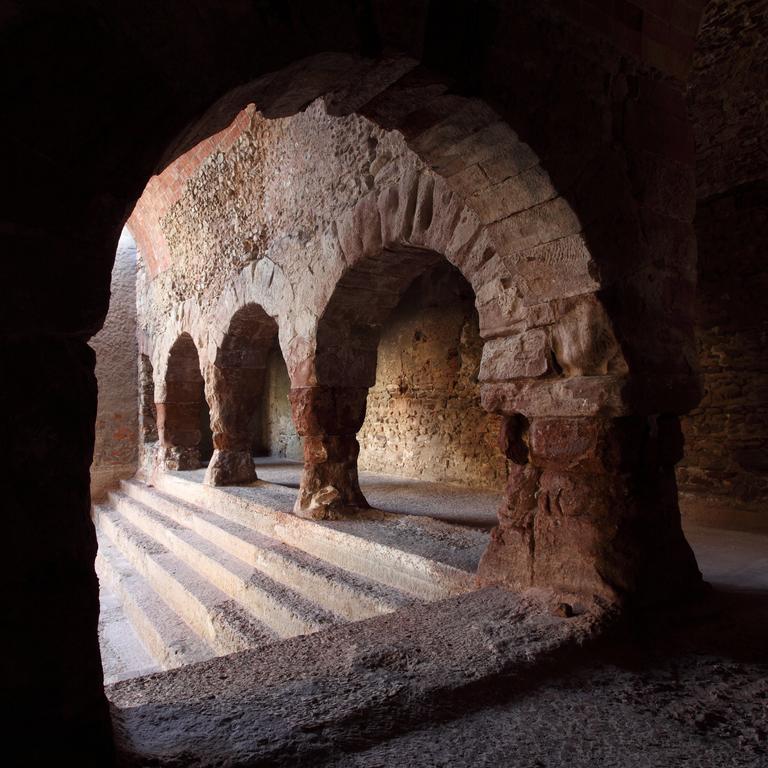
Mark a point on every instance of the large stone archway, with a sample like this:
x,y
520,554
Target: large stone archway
x,y
592,493
73,187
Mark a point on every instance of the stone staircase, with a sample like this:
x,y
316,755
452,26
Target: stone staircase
x,y
202,572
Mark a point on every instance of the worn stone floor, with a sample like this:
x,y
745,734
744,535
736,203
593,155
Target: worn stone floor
x,y
730,559
390,493
122,652
684,688
680,693
481,680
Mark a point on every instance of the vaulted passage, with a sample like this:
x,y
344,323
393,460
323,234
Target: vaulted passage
x,y
382,407
183,416
423,417
237,385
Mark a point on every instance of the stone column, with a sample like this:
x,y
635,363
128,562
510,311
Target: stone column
x,y
234,394
328,419
591,509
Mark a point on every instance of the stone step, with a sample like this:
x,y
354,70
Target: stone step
x,y
219,620
283,610
346,594
360,683
169,641
362,546
123,654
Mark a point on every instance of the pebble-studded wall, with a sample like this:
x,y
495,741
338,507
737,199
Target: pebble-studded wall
x,y
424,418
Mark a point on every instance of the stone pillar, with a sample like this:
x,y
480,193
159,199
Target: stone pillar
x,y
328,419
591,509
234,394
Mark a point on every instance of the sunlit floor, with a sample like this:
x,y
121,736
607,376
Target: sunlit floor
x,y
443,501
728,558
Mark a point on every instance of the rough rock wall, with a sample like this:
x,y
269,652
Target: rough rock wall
x,y
727,435
424,419
116,448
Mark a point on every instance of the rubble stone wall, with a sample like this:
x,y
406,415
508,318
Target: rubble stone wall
x,y
424,418
727,435
276,430
726,458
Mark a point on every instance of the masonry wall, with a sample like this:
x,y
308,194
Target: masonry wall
x,y
116,447
727,435
424,419
726,463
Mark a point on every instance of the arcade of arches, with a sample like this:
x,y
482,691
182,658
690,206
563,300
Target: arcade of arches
x,y
404,378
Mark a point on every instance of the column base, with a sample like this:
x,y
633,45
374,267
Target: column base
x,y
330,488
178,459
591,510
228,467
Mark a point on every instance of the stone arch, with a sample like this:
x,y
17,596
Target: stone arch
x,y
552,365
560,311
520,63
182,415
234,383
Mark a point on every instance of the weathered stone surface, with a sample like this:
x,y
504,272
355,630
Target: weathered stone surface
x,y
411,659
583,508
423,415
115,453
230,467
578,396
583,341
328,420
515,357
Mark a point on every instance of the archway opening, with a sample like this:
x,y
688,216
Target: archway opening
x,y
249,391
184,417
398,357
423,416
275,435
147,406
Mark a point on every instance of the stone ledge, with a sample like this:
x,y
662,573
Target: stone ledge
x,y
300,700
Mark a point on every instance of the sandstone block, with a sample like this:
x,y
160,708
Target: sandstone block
x,y
521,356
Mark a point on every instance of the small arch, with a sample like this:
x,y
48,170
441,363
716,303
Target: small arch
x,y
238,385
379,287
183,418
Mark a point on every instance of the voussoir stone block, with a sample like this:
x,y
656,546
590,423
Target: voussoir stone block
x,y
514,357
